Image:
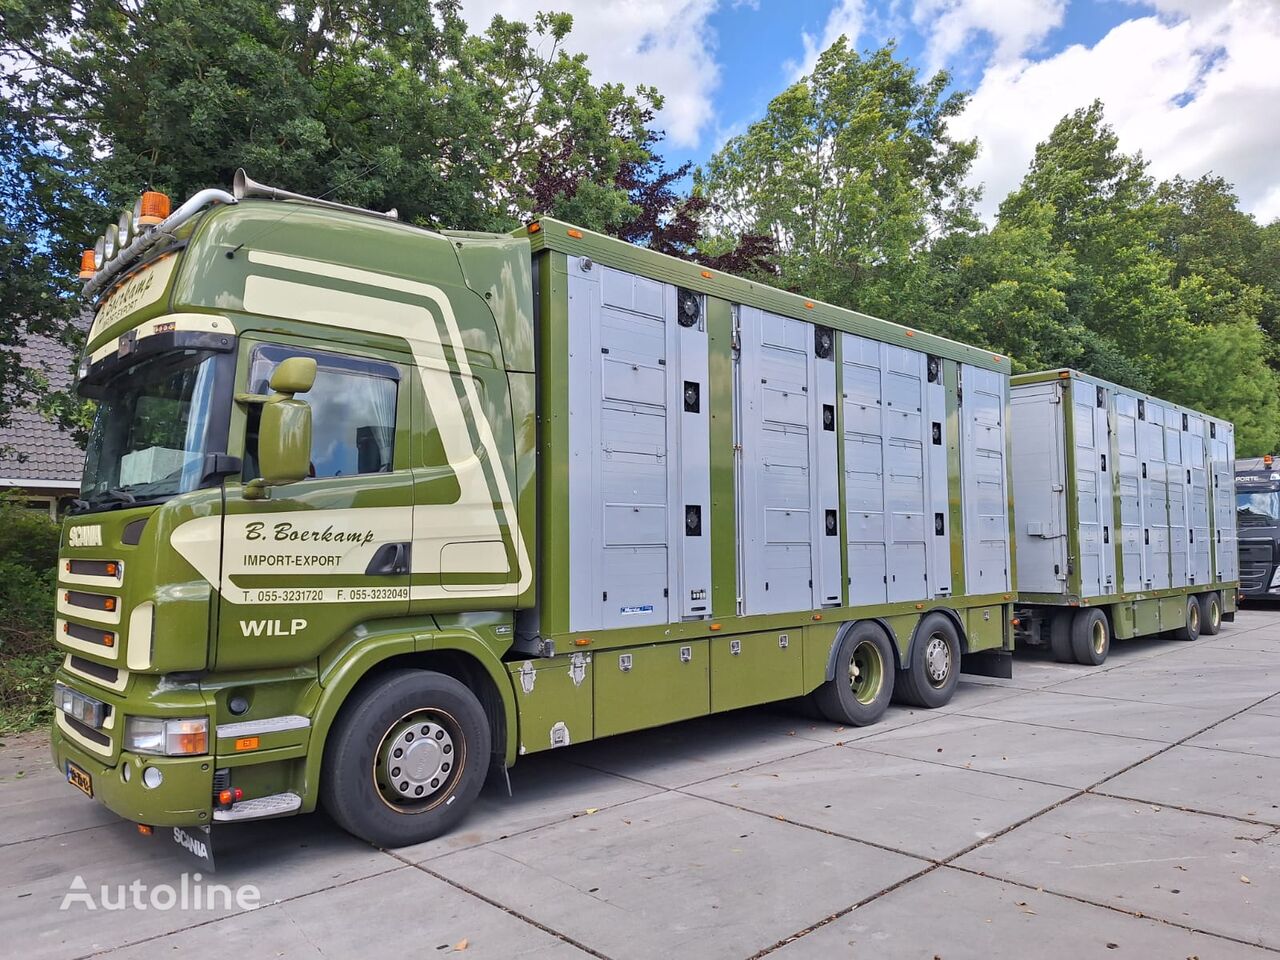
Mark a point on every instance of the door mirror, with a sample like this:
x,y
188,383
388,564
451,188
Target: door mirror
x,y
284,427
284,441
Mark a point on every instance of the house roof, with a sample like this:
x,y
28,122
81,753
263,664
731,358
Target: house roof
x,y
33,450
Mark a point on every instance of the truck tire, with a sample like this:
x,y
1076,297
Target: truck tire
x,y
1090,637
1191,631
1060,636
406,758
1210,614
933,667
862,687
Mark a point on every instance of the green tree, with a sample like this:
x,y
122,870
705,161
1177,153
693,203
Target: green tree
x,y
850,173
370,102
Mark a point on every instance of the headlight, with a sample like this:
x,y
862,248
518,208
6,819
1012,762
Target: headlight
x,y
1275,578
166,738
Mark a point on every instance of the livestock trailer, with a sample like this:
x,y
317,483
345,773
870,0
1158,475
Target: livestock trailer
x,y
1125,515
370,509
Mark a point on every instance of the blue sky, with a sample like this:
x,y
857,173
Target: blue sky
x,y
1193,84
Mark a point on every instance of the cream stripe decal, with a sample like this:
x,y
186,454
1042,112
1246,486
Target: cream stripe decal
x,y
468,527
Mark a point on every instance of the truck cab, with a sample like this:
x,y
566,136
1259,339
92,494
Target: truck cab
x,y
1258,520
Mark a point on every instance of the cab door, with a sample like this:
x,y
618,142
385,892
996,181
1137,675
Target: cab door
x,y
313,559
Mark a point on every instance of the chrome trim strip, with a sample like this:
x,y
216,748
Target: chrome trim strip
x,y
249,728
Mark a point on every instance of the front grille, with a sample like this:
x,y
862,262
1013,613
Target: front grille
x,y
101,671
97,736
1253,520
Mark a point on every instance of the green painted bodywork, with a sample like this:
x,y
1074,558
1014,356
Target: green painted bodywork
x,y
314,281
1132,613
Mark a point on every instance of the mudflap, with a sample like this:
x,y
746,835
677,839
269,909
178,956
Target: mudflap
x,y
988,663
195,842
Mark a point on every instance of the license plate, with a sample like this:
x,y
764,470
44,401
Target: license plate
x,y
80,779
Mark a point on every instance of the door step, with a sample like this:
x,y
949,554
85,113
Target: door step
x,y
259,807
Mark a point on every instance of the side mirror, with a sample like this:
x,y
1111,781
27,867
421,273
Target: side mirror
x,y
284,428
284,442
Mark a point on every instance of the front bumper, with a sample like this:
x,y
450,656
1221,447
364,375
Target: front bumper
x,y
183,798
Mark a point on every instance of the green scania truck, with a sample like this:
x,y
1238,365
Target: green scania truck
x,y
370,511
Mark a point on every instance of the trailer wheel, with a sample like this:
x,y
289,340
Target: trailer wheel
x,y
406,758
862,687
1192,629
1210,614
1090,637
934,665
1060,636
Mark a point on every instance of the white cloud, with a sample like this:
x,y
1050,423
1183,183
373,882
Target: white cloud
x,y
845,19
662,43
1014,26
1194,88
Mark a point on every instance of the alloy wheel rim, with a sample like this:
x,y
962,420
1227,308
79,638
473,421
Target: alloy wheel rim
x,y
866,672
937,660
419,760
1099,637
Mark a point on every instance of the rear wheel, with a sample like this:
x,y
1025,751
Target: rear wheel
x,y
406,758
862,686
1090,637
1210,614
1191,631
933,669
1060,636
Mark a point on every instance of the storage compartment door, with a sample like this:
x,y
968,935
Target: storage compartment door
x,y
648,686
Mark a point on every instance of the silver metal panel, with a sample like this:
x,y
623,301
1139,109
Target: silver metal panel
x,y
691,442
904,465
1179,479
1196,460
866,527
1039,486
1093,489
1155,495
983,487
828,590
1129,465
777,460
937,513
1222,446
637,459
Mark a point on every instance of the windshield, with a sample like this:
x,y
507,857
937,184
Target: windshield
x,y
150,434
1264,505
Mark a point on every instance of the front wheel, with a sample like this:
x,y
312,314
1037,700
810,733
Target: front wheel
x,y
933,668
1210,614
406,758
860,691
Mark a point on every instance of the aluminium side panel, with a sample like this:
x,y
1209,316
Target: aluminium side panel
x,y
906,491
983,481
1179,478
1089,406
638,458
1196,463
1133,549
1222,446
866,525
1155,494
828,591
1039,486
777,463
937,512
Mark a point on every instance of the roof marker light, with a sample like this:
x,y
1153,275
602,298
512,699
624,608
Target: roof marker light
x,y
88,264
153,208
575,233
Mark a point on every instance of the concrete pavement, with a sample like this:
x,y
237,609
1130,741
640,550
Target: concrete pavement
x,y
1131,810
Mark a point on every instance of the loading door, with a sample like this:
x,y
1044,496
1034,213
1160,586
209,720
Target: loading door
x,y
1196,461
788,498
1222,446
1093,489
984,493
1155,494
1129,464
1039,486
